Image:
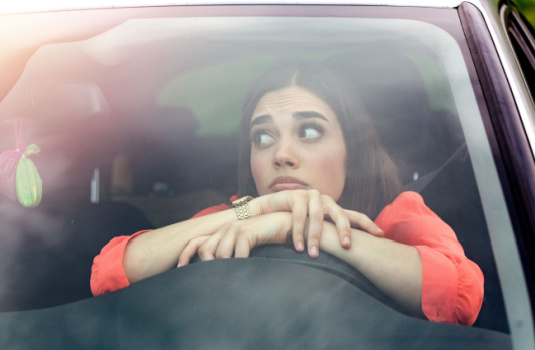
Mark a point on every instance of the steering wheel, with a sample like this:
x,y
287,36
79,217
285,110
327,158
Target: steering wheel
x,y
325,262
268,301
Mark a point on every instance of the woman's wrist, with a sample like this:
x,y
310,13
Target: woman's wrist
x,y
330,243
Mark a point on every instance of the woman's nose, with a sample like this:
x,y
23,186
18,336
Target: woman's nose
x,y
285,155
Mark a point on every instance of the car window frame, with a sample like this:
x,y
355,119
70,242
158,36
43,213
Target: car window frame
x,y
513,158
336,11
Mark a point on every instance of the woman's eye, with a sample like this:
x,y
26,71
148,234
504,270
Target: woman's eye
x,y
310,132
261,138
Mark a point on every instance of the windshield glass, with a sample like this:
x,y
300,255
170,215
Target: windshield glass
x,y
138,128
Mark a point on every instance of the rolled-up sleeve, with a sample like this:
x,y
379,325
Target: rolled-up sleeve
x,y
452,285
107,273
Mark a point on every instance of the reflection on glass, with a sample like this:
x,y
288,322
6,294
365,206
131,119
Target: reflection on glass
x,y
139,128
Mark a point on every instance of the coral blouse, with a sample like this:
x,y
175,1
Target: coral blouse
x,y
452,289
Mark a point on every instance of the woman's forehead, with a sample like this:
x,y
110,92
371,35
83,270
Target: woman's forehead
x,y
290,100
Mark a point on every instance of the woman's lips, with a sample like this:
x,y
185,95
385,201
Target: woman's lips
x,y
287,186
283,183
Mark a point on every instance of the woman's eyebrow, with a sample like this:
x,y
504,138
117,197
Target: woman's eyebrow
x,y
309,114
260,120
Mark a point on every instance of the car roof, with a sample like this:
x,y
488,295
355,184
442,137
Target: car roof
x,y
24,6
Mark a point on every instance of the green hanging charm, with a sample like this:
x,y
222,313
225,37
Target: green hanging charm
x,y
28,181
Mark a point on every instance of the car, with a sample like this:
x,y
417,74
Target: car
x,y
135,108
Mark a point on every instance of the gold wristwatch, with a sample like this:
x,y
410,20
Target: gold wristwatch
x,y
242,207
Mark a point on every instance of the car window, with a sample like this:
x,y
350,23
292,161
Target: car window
x,y
138,127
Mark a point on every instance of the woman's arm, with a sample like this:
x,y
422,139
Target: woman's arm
x,y
394,268
157,251
307,207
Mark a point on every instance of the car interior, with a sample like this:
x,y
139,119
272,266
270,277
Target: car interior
x,y
142,131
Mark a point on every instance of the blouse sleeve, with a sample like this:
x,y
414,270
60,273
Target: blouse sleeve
x,y
452,287
107,273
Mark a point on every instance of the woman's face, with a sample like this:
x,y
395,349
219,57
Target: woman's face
x,y
297,143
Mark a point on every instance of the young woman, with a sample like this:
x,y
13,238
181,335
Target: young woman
x,y
311,157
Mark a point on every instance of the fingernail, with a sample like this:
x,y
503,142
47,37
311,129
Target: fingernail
x,y
347,241
314,251
300,246
178,265
381,232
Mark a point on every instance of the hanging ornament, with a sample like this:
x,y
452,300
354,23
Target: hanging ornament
x,y
19,178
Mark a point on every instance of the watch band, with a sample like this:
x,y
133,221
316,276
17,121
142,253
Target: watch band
x,y
242,207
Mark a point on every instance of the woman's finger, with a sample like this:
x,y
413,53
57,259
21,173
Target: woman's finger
x,y
207,250
363,222
190,250
299,217
226,245
315,225
243,247
340,218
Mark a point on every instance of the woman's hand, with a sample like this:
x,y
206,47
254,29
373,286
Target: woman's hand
x,y
311,205
238,238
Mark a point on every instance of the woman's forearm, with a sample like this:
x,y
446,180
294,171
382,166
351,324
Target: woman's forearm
x,y
394,268
157,251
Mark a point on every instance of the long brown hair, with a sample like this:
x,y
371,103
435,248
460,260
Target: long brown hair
x,y
371,177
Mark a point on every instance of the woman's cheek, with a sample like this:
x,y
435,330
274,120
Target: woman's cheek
x,y
331,173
